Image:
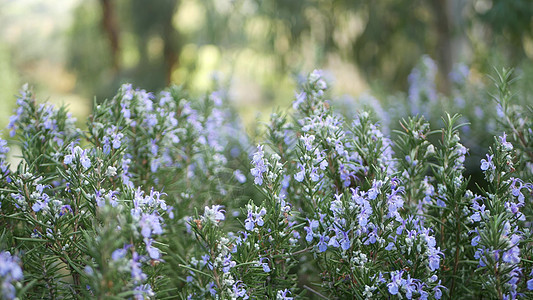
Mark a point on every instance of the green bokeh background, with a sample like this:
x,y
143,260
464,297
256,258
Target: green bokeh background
x,y
74,52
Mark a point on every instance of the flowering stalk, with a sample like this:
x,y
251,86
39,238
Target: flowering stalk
x,y
451,200
500,224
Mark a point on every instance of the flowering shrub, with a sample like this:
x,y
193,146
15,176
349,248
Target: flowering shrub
x,y
164,196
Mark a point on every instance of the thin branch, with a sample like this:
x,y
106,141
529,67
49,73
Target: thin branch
x,y
315,292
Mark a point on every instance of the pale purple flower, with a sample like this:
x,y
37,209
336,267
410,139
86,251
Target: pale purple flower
x,y
85,161
396,282
440,203
315,76
143,291
65,209
117,140
345,241
4,166
10,273
434,258
264,265
321,159
390,246
372,235
136,271
308,141
429,190
81,154
249,222
227,263
119,254
206,261
487,164
437,290
239,291
410,285
215,213
516,189
284,295
300,175
479,210
150,224
170,212
216,97
254,218
259,165
505,144
38,205
323,242
475,240
530,284
512,255
333,242
68,159
336,205
395,202
300,98
43,199
314,175
150,120
375,190
212,289
88,270
152,251
241,178
313,224
365,209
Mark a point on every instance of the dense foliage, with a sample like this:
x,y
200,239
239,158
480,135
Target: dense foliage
x,y
165,196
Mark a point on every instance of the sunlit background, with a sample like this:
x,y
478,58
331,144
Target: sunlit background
x,y
74,52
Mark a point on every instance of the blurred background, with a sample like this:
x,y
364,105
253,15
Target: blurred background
x,y
75,51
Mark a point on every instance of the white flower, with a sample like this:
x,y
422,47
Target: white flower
x,y
215,214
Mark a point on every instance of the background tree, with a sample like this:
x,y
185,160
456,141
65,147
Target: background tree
x,y
168,41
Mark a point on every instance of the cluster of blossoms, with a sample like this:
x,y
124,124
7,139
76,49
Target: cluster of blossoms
x,y
422,87
238,262
355,194
218,260
497,217
331,160
254,218
63,193
264,169
35,197
4,166
140,117
49,118
165,121
347,183
260,165
78,155
146,212
423,99
10,273
113,211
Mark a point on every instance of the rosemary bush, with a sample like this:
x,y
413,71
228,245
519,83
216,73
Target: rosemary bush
x,y
165,196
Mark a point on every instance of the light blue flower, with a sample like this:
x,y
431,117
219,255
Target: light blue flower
x,y
300,175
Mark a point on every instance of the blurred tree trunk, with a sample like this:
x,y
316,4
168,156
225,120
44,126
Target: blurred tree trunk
x,y
441,11
110,23
171,53
172,43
